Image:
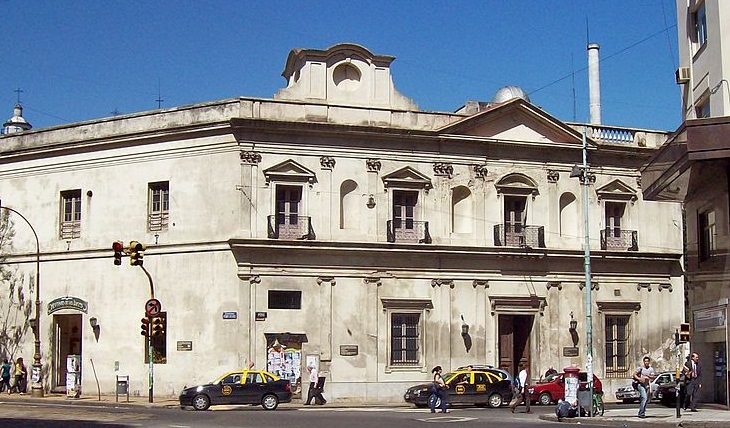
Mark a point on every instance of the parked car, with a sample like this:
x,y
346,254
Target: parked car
x,y
551,391
239,387
628,394
477,387
666,393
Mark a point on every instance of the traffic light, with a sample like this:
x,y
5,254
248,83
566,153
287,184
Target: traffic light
x,y
118,247
145,327
683,333
135,253
158,326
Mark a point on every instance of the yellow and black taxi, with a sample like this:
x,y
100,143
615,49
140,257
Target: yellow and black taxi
x,y
239,387
477,387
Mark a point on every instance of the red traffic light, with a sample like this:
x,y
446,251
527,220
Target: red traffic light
x,y
118,247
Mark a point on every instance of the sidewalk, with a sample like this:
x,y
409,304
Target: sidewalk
x,y
104,400
707,416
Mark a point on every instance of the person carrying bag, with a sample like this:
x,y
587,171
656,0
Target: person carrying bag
x,y
438,391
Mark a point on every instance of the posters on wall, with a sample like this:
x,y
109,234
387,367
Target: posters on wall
x,y
285,362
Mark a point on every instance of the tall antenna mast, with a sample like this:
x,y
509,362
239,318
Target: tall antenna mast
x,y
572,75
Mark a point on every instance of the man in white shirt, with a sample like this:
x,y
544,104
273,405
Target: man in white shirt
x,y
523,393
643,377
314,392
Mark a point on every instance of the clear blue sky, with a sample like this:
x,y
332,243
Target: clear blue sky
x,y
83,59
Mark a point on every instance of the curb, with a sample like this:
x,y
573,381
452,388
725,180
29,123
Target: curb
x,y
622,422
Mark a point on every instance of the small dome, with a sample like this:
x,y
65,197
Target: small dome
x,y
509,92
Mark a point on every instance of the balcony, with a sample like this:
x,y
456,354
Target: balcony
x,y
619,240
290,226
408,231
519,236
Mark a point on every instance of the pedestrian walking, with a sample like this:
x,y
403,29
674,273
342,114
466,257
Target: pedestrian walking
x,y
315,392
693,379
642,379
439,390
5,370
522,390
21,376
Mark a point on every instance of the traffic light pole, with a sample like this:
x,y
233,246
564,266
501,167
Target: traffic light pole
x,y
151,370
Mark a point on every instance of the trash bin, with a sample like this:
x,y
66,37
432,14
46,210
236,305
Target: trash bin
x,y
585,401
122,386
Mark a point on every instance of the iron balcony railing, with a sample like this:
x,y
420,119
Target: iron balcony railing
x,y
507,235
408,231
619,240
290,226
70,229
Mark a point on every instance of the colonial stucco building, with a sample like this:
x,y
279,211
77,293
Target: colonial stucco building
x,y
338,223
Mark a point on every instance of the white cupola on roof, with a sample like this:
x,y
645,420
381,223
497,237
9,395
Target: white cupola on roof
x,y
345,74
16,123
509,92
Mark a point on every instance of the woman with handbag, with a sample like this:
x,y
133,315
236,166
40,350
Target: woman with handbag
x,y
439,391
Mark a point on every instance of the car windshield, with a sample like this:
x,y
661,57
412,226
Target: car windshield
x,y
447,376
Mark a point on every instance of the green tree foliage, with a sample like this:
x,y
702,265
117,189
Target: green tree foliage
x,y
15,306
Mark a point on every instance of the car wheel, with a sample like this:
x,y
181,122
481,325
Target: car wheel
x,y
434,401
495,400
270,402
201,402
545,399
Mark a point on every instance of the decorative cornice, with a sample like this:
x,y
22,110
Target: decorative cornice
x,y
443,169
372,280
252,279
480,283
641,285
517,304
440,282
327,162
373,165
591,178
553,176
250,157
480,171
665,286
594,285
555,284
330,279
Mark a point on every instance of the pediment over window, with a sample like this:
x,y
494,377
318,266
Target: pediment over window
x,y
290,171
406,303
517,184
616,190
407,177
519,304
623,307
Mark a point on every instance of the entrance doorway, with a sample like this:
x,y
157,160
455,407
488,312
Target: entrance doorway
x,y
514,341
66,341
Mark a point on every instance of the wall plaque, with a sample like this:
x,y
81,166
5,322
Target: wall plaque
x,y
348,350
230,315
570,351
184,345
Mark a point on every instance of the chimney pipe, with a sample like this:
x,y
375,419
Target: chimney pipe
x,y
594,83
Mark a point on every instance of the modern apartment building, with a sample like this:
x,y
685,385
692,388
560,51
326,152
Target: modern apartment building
x,y
693,167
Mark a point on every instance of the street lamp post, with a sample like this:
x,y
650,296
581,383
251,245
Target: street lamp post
x,y
582,173
36,373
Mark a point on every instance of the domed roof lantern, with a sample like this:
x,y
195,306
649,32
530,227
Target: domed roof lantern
x,y
509,92
16,123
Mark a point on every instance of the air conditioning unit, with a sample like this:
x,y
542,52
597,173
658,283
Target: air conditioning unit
x,y
682,75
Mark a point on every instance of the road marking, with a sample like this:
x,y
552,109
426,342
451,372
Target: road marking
x,y
447,419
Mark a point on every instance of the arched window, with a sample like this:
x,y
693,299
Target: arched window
x,y
568,215
462,210
349,199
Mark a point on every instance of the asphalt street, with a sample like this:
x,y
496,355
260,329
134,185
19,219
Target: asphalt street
x,y
55,415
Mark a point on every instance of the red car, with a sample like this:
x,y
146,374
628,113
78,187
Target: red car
x,y
553,389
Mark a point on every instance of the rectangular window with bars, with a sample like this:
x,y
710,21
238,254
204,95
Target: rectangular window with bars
x,y
70,214
159,206
405,338
617,352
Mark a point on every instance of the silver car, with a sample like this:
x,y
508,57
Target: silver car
x,y
628,394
